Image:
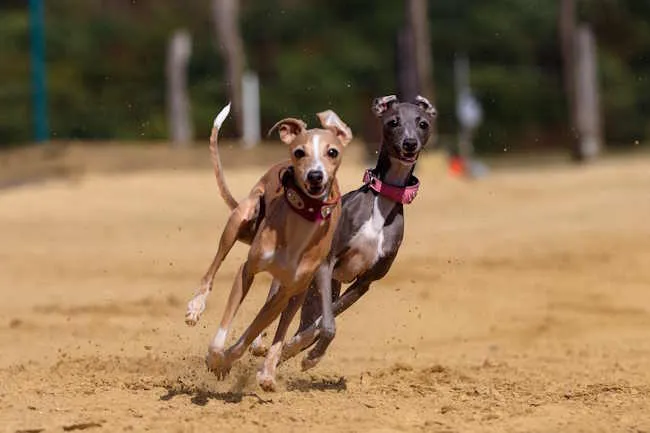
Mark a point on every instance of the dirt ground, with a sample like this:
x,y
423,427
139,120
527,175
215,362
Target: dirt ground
x,y
520,302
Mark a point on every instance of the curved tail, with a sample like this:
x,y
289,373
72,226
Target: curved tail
x,y
216,160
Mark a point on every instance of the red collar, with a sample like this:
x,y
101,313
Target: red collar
x,y
311,209
398,194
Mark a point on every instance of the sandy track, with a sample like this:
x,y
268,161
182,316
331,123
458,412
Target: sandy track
x,y
518,303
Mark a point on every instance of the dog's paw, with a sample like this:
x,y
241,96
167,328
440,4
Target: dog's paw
x,y
218,364
266,382
260,350
290,349
194,309
299,343
309,362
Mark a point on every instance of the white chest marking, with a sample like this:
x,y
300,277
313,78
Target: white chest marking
x,y
370,237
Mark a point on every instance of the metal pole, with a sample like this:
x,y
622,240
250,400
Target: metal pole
x,y
39,92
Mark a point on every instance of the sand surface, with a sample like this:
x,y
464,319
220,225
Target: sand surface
x,y
518,303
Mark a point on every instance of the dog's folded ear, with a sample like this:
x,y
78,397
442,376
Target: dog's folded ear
x,y
383,104
330,120
427,106
289,129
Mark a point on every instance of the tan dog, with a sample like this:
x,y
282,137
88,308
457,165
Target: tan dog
x,y
289,219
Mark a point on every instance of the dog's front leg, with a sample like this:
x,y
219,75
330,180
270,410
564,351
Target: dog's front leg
x,y
245,212
220,362
266,376
323,280
240,288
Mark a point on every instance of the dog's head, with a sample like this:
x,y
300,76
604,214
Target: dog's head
x,y
315,153
406,126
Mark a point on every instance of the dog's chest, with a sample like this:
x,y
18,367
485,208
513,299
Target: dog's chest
x,y
367,245
284,254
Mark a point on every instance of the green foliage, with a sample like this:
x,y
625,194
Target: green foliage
x,y
106,64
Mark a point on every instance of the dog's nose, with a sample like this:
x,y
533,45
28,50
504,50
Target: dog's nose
x,y
410,145
315,177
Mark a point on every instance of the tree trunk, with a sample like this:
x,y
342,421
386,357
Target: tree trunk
x,y
566,26
407,73
414,52
419,21
226,22
414,63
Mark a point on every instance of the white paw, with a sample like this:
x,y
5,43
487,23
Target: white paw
x,y
266,382
194,309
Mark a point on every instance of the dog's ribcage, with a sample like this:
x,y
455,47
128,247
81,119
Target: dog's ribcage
x,y
366,246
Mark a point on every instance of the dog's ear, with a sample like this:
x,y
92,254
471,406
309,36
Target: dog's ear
x,y
427,106
381,105
330,120
289,129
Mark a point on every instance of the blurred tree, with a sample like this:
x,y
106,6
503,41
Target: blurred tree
x,y
106,77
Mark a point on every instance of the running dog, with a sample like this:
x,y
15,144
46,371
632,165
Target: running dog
x,y
288,219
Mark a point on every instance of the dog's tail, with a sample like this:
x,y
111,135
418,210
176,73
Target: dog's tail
x,y
216,160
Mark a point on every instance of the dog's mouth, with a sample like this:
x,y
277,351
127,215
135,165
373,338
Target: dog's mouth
x,y
409,156
315,190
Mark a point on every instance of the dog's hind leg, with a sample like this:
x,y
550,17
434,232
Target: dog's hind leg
x,y
327,324
243,214
311,308
258,348
308,336
266,375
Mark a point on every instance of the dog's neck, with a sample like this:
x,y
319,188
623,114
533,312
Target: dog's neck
x,y
393,171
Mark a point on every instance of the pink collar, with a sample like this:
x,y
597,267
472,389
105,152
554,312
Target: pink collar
x,y
398,194
311,209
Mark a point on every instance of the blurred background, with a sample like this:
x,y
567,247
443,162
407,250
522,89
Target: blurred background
x,y
535,75
519,302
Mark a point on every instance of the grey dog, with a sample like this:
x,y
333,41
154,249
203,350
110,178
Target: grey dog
x,y
371,227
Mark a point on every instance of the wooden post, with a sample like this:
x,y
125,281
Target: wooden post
x,y
178,104
586,93
226,22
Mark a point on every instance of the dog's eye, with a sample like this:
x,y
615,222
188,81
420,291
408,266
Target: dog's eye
x,y
423,125
299,153
332,153
394,123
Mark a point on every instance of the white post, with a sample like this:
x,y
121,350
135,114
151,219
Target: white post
x,y
587,101
178,103
251,108
468,109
